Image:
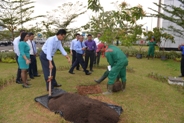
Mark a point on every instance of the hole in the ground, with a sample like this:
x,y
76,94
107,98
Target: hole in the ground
x,y
88,89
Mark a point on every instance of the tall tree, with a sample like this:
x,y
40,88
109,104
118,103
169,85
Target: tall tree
x,y
118,23
94,5
174,14
15,13
63,17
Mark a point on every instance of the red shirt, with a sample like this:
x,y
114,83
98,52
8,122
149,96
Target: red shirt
x,y
100,46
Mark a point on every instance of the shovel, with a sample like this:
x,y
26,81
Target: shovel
x,y
50,77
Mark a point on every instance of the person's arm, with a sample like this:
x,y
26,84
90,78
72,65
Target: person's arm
x,y
34,45
95,48
22,53
109,58
71,44
179,47
16,46
64,53
49,51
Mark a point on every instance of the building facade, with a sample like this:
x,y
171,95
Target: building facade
x,y
165,24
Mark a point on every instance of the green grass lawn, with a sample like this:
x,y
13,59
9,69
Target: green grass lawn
x,y
144,101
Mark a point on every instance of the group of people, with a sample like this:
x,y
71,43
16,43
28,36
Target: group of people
x,y
26,52
90,49
25,49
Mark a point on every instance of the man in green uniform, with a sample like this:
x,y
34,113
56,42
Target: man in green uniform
x,y
118,62
151,50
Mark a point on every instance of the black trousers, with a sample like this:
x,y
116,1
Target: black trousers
x,y
98,57
74,58
18,78
33,66
79,60
89,56
46,71
182,65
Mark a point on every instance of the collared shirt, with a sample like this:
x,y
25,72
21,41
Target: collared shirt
x,y
72,44
91,45
100,46
97,41
182,49
16,45
78,47
51,45
32,46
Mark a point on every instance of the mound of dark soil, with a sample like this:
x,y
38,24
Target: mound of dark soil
x,y
88,89
81,109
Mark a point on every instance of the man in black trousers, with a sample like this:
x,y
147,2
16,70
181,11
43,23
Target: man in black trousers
x,y
90,51
51,45
79,48
33,72
72,49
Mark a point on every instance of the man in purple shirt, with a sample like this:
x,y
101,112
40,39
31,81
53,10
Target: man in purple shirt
x,y
90,52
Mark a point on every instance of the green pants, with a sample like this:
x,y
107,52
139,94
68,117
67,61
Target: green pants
x,y
118,69
151,52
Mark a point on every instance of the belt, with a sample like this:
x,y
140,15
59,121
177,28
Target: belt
x,y
90,50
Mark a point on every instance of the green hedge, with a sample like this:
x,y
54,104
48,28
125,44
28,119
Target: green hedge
x,y
9,57
132,52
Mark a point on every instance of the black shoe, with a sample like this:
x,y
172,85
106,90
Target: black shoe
x,y
32,77
88,73
181,76
37,75
18,82
71,72
57,85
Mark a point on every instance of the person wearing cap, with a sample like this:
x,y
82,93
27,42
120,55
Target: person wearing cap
x,y
118,62
100,50
17,52
151,50
51,45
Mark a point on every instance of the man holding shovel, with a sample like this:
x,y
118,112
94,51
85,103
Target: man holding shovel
x,y
51,45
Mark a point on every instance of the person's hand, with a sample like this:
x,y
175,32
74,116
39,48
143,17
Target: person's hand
x,y
28,61
69,61
84,48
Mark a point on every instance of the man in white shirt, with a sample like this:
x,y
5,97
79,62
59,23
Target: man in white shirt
x,y
33,72
51,45
97,41
72,49
16,51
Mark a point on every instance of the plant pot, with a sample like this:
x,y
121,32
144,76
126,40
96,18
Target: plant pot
x,y
163,57
139,56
